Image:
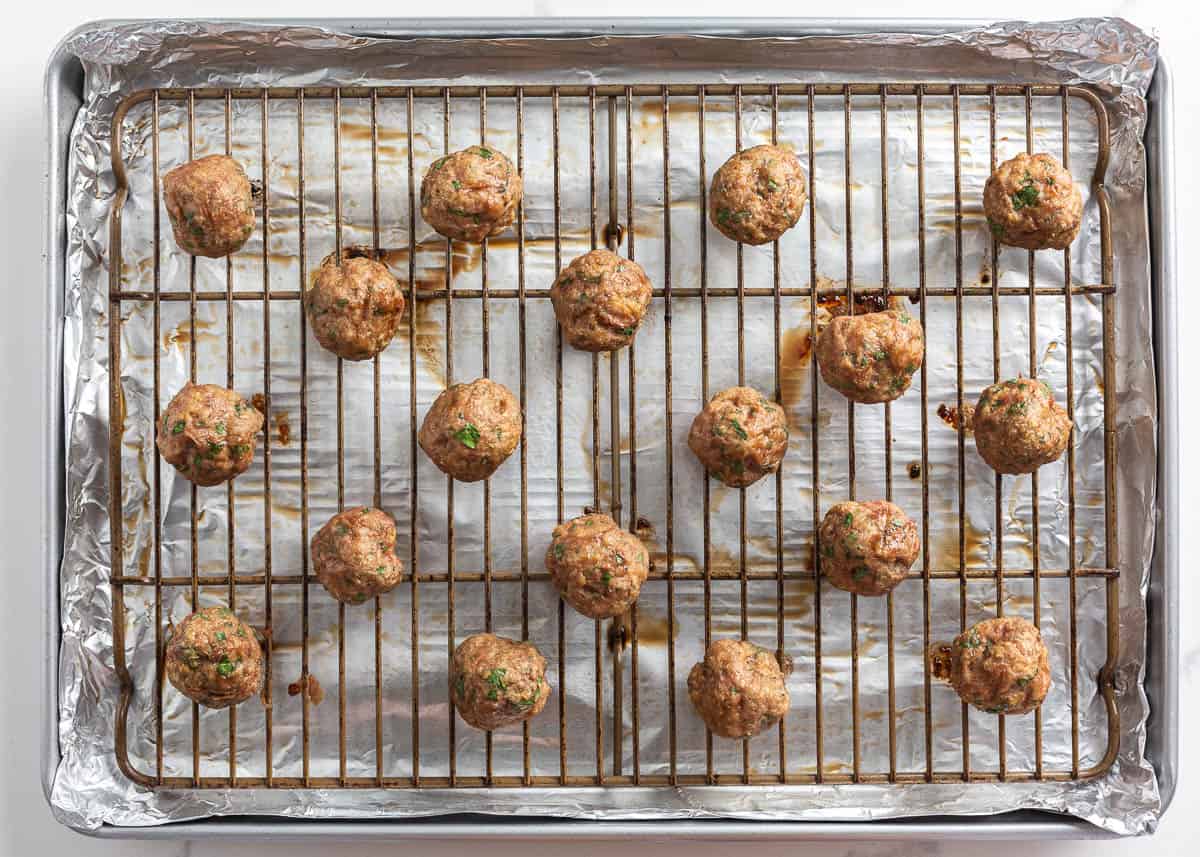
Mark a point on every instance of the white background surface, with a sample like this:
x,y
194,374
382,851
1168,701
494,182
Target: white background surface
x,y
32,30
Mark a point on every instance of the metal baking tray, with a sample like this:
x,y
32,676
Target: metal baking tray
x,y
60,93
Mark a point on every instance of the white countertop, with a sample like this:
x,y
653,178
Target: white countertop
x,y
26,826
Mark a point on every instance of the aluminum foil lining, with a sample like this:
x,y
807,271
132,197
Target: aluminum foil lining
x,y
1110,55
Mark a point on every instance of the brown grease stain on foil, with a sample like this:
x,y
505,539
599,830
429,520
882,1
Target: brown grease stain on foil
x,y
949,414
181,334
312,689
283,428
795,352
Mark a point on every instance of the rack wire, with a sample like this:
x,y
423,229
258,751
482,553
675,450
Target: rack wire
x,y
618,644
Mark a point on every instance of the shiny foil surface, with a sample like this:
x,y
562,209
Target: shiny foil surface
x,y
1110,56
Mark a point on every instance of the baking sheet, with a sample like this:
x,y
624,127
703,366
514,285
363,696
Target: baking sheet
x,y
123,59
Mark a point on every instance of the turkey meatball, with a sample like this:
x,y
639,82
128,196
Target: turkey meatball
x,y
1019,427
471,194
597,567
354,555
214,658
867,548
600,300
1001,666
1031,201
496,682
740,436
207,433
354,308
471,429
872,357
210,205
738,689
758,194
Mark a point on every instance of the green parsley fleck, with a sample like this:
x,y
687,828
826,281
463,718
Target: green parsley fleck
x,y
342,302
772,184
723,215
460,686
457,184
861,572
627,331
468,435
559,550
496,685
849,520
484,152
381,570
178,427
606,577
737,428
1026,197
971,641
225,667
220,428
240,449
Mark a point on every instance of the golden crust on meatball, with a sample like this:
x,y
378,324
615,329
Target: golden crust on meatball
x,y
1001,666
1031,201
471,195
739,689
207,433
872,357
867,548
740,436
471,429
497,682
354,555
214,658
354,308
597,567
210,204
1019,427
758,194
600,300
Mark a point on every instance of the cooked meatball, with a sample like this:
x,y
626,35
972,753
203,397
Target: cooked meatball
x,y
207,433
597,567
354,308
872,357
1001,666
354,555
496,682
1019,427
600,299
867,548
740,436
471,429
214,658
1031,201
471,194
738,689
758,194
210,205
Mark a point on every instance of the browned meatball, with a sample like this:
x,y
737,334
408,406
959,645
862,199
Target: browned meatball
x,y
496,682
597,567
207,433
740,436
867,548
354,308
471,194
871,358
1031,201
758,194
471,429
1001,666
210,205
600,300
1019,427
214,658
738,689
354,555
